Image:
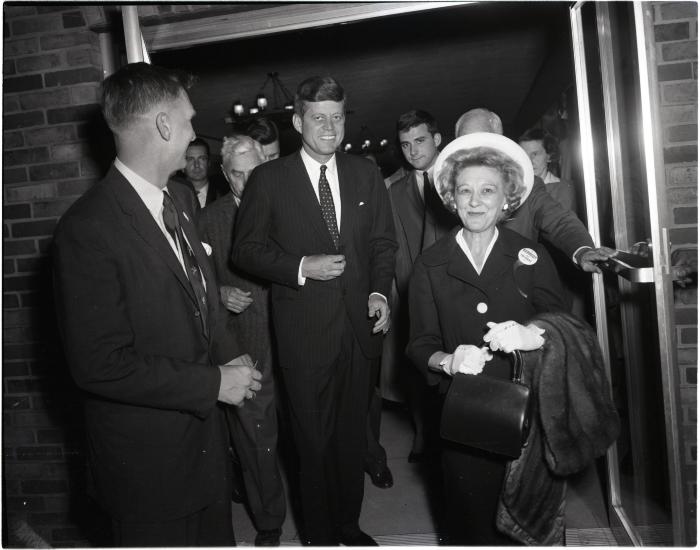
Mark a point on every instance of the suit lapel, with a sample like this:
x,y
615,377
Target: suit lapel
x,y
497,265
409,209
348,199
148,229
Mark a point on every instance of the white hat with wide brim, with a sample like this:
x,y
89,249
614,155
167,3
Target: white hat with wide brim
x,y
492,141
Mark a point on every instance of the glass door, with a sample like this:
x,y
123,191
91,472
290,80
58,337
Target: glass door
x,y
622,167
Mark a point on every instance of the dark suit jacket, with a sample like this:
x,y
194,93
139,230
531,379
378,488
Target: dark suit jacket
x,y
134,342
417,226
218,187
542,218
445,291
280,221
252,327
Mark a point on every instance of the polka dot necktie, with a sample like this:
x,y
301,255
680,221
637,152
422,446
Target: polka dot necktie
x,y
327,206
194,275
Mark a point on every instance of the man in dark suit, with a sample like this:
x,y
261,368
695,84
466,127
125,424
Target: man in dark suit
x,y
195,175
420,220
253,428
141,324
317,224
541,217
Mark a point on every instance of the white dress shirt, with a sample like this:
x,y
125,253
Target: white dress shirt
x,y
202,195
420,182
468,253
313,168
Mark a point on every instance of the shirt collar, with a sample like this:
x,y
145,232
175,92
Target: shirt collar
x,y
461,241
313,166
150,194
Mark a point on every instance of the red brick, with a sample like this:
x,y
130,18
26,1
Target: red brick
x,y
689,335
685,235
83,56
672,31
682,175
54,134
33,155
70,151
14,175
10,104
66,40
680,92
10,140
30,265
685,215
85,94
30,192
9,68
10,300
38,63
36,24
23,120
45,100
74,188
31,299
16,248
47,209
22,83
8,267
686,132
682,153
675,71
72,114
73,19
54,171
23,46
20,283
90,168
14,369
73,76
682,195
16,437
686,316
678,10
680,51
33,228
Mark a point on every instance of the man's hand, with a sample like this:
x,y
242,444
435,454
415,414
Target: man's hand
x,y
378,306
239,380
323,267
235,299
589,257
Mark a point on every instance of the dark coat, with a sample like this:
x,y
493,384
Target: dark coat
x,y
445,292
280,221
542,218
134,342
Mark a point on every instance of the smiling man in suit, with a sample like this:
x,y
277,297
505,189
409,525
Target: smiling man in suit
x,y
140,318
317,224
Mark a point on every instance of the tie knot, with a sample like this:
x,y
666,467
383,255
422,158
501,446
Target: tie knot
x,y
323,169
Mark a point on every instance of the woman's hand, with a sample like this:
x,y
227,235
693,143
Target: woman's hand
x,y
466,359
509,336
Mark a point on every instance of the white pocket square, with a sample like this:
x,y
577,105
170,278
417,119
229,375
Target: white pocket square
x,y
362,203
185,215
207,248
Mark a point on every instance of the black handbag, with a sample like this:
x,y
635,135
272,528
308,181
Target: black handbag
x,y
488,413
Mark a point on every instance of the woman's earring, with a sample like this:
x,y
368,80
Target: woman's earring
x,y
505,206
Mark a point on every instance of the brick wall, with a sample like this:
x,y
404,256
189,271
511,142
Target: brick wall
x,y
676,35
52,70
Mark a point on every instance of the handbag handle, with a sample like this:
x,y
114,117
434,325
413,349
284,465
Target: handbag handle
x,y
517,366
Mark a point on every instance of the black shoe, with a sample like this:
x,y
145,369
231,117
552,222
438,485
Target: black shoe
x,y
356,537
381,476
268,537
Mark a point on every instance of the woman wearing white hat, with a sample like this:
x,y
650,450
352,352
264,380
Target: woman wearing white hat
x,y
471,294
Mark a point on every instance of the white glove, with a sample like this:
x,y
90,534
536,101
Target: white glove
x,y
509,336
466,359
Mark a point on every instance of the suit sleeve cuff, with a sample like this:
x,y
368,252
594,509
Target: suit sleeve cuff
x,y
380,295
301,280
578,251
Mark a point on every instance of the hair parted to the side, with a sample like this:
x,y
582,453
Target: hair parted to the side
x,y
199,142
263,131
512,173
315,89
549,142
416,117
136,88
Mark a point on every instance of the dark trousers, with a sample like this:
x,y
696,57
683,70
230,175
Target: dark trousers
x,y
211,526
253,430
328,414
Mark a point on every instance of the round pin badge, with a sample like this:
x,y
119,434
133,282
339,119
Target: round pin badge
x,y
527,256
481,307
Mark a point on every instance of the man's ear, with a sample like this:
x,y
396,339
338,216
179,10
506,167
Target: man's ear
x,y
163,125
437,139
296,121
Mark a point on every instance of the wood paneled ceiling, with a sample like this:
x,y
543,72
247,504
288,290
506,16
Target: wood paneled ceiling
x,y
513,58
